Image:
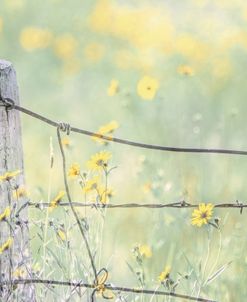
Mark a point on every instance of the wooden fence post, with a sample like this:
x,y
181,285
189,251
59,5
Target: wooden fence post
x,y
15,260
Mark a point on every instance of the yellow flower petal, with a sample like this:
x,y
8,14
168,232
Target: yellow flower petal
x,y
106,130
6,245
105,194
32,38
9,175
99,160
65,141
185,70
145,251
54,203
20,192
74,170
65,46
202,214
5,214
61,234
91,184
165,274
147,88
113,88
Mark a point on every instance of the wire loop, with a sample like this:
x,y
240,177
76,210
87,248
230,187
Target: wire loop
x,y
65,127
8,103
100,284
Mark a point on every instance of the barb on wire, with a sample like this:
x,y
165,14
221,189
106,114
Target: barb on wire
x,y
6,102
107,286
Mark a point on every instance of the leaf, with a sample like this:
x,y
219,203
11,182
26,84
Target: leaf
x,y
218,272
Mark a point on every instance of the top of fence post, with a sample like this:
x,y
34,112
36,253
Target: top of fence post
x,y
14,232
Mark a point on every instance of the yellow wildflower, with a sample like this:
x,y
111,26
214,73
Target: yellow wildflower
x,y
109,128
185,70
65,46
105,194
147,27
94,52
147,187
61,234
9,175
165,274
192,48
20,273
5,214
32,38
91,184
74,170
54,203
202,214
6,245
147,88
145,251
99,160
65,141
113,88
106,130
19,193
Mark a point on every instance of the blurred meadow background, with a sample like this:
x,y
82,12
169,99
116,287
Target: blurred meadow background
x,y
169,72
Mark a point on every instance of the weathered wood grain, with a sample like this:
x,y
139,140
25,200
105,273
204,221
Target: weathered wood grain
x,y
16,260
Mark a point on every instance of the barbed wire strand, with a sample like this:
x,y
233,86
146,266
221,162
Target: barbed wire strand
x,y
177,205
10,103
107,286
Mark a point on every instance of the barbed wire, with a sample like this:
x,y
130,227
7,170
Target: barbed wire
x,y
107,286
10,104
177,205
96,286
